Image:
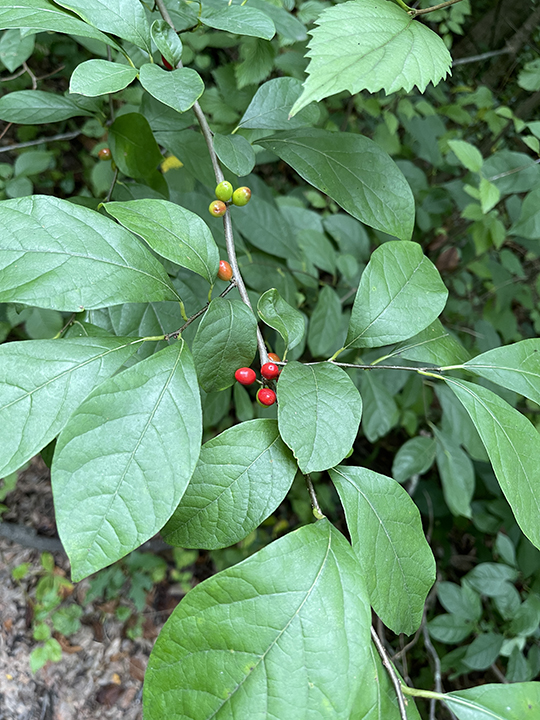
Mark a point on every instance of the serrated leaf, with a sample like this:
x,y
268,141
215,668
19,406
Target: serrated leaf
x,y
179,89
235,152
125,18
400,294
239,20
303,593
44,15
36,107
278,314
271,104
433,345
55,254
226,340
371,45
457,474
514,701
513,446
167,41
352,170
58,375
125,457
99,77
133,146
319,411
172,231
242,475
386,533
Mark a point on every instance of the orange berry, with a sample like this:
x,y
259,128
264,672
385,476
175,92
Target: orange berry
x,y
225,270
217,208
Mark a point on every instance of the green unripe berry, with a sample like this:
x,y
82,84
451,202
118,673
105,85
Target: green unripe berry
x,y
217,208
224,191
241,196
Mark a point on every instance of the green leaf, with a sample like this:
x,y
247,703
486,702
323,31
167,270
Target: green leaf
x,y
489,195
450,629
278,314
460,600
167,41
513,446
58,375
99,77
179,89
172,231
386,533
483,651
353,171
516,367
226,339
44,15
524,176
400,294
414,457
265,228
14,49
133,146
287,25
457,474
242,475
36,107
55,254
124,459
529,77
514,701
371,45
239,20
308,610
33,162
528,224
271,104
325,323
319,411
469,156
125,18
318,249
380,410
433,345
491,579
235,152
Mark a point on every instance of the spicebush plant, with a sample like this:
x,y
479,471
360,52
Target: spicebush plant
x,y
185,269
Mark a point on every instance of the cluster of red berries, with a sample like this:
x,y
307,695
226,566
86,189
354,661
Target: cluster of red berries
x,y
225,194
270,371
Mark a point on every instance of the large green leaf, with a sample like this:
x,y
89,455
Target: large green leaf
x,y
386,533
266,228
516,367
319,411
278,314
172,231
125,457
235,152
513,446
400,294
178,89
99,77
55,254
271,104
36,107
284,634
43,381
240,20
133,146
354,171
371,45
516,701
242,475
125,18
226,340
44,15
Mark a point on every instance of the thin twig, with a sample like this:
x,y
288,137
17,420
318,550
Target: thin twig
x,y
33,78
113,183
424,11
227,223
15,76
436,672
111,104
4,131
53,138
479,58
498,674
200,312
314,501
390,670
383,367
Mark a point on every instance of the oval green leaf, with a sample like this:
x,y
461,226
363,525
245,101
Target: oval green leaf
x,y
278,314
133,146
167,41
178,89
235,152
240,20
99,77
125,457
516,701
266,228
36,107
271,105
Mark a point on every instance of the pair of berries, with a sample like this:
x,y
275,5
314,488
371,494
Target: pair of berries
x,y
269,371
224,194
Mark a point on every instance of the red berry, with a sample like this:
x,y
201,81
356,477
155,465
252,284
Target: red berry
x,y
225,270
167,64
274,357
270,371
266,397
245,376
217,208
104,154
241,196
